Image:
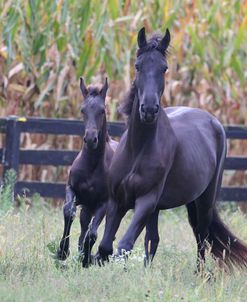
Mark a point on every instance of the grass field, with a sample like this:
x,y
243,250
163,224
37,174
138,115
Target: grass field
x,y
29,273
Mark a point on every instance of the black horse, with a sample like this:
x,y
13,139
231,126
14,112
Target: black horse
x,y
167,158
88,178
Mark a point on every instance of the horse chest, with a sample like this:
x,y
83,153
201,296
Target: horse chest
x,y
137,176
90,189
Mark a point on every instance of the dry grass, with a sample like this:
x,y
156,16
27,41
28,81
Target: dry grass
x,y
28,273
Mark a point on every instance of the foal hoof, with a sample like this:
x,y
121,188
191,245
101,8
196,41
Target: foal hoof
x,y
61,254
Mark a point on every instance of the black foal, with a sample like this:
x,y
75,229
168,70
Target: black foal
x,y
88,178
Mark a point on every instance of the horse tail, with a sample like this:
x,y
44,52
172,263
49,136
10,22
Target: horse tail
x,y
225,246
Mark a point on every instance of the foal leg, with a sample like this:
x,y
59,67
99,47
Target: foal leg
x,y
69,210
144,207
91,235
152,238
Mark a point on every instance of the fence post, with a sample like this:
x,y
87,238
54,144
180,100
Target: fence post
x,y
12,145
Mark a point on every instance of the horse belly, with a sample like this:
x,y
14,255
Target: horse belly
x,y
172,198
188,178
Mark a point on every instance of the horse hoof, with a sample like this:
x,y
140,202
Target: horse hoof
x,y
100,259
61,254
87,261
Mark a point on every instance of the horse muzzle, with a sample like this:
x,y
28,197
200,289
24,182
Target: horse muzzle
x,y
149,115
91,139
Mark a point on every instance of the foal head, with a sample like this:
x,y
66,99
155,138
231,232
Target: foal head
x,y
151,66
93,110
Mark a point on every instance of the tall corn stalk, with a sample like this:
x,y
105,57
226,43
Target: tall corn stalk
x,y
46,45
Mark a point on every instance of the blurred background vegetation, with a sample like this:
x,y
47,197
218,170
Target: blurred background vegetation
x,y
46,45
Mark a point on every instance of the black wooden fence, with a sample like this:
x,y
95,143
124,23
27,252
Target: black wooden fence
x,y
12,156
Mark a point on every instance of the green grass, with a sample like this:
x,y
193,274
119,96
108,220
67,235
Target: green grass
x,y
29,273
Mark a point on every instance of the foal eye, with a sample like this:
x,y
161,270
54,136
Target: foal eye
x,y
165,69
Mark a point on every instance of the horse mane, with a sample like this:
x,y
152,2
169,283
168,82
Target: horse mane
x,y
128,100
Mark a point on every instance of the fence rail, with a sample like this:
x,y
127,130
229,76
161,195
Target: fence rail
x,y
12,156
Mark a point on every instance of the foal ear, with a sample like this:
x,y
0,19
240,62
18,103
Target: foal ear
x,y
83,87
164,43
104,89
141,39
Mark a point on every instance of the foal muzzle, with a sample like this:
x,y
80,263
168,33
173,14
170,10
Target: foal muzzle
x,y
91,139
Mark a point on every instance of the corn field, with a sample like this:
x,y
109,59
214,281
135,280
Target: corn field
x,y
45,46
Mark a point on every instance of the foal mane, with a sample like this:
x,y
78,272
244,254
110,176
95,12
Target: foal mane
x,y
93,90
128,100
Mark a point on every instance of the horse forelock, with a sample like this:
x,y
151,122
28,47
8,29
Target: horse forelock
x,y
152,43
93,90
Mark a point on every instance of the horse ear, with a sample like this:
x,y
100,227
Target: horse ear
x,y
164,43
141,39
83,87
104,89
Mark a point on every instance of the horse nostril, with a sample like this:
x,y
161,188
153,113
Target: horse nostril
x,y
84,139
142,108
95,140
156,108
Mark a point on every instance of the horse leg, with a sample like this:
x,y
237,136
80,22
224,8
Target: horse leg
x,y
69,210
91,235
144,207
204,214
114,215
85,218
152,239
193,220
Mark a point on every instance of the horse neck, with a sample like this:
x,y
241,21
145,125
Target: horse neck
x,y
140,133
96,156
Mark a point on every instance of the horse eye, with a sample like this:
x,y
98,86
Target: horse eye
x,y
137,67
165,69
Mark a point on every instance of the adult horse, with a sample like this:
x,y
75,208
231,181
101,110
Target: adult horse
x,y
167,158
88,178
